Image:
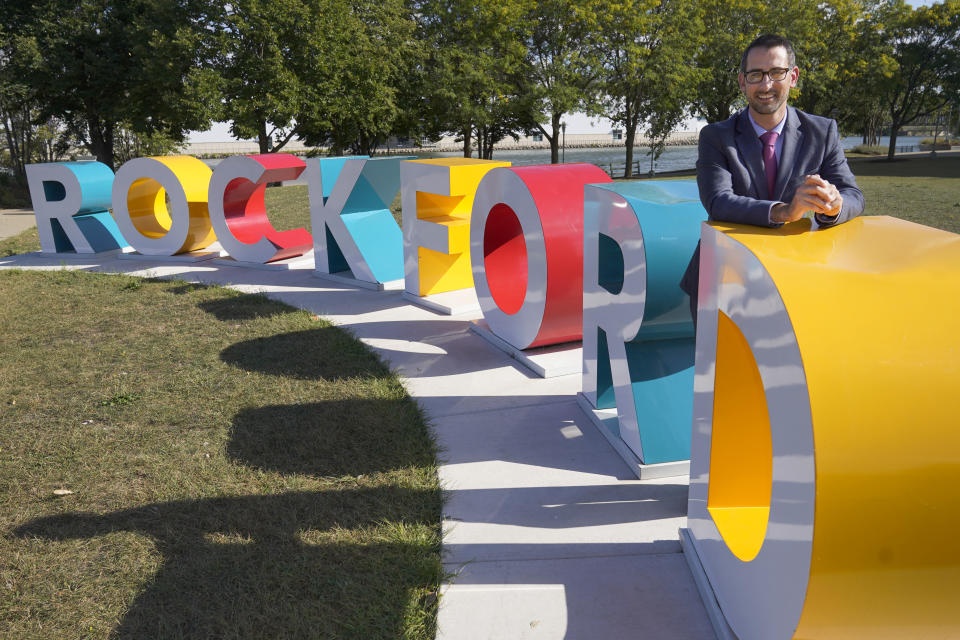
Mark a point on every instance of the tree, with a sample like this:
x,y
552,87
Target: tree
x,y
28,137
866,71
730,25
926,44
647,46
473,81
355,58
667,106
262,92
17,100
52,140
562,66
128,144
104,62
825,36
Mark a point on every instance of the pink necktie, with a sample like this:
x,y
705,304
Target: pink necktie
x,y
769,140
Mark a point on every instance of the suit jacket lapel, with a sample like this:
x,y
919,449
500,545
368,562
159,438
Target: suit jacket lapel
x,y
751,152
792,141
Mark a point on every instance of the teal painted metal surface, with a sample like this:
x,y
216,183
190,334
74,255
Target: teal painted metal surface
x,y
100,230
71,201
330,169
661,373
659,356
366,217
96,184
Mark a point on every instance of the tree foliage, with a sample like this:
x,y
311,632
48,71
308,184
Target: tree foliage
x,y
18,103
104,62
926,77
869,65
474,84
257,42
129,77
729,26
562,65
648,67
355,60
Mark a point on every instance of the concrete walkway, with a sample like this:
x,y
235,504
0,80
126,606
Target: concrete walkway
x,y
15,221
546,533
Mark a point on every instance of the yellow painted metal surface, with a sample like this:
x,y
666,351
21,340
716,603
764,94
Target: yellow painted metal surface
x,y
875,307
146,202
438,271
444,271
741,455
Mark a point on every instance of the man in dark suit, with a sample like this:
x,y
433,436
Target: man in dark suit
x,y
770,163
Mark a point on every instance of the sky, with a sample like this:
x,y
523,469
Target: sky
x,y
576,122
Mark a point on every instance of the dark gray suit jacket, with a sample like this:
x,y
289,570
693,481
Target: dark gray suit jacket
x,y
733,184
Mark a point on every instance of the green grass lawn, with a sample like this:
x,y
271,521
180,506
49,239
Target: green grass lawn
x,y
918,188
236,468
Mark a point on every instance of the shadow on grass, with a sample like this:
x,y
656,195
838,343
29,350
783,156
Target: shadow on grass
x,y
248,306
245,306
336,438
188,287
259,566
325,353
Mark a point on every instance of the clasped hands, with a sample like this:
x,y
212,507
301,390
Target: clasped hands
x,y
815,194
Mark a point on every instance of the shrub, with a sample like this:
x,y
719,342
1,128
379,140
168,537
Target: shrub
x,y
869,150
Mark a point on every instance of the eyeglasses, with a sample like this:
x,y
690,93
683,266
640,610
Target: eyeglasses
x,y
756,76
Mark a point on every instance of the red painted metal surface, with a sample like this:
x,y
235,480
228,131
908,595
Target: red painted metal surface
x,y
505,258
557,191
245,210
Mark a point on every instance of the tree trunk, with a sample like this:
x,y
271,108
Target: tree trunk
x,y
27,142
365,145
262,138
892,149
630,137
16,158
467,140
485,143
101,141
555,138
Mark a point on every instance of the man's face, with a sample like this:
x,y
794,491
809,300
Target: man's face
x,y
768,96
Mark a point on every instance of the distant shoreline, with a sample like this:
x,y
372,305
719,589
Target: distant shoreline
x,y
684,139
573,141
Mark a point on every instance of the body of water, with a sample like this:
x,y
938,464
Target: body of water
x,y
672,158
679,158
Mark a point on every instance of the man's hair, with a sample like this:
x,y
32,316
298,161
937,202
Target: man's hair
x,y
768,41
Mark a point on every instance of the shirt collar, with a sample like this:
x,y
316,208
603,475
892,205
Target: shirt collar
x,y
760,130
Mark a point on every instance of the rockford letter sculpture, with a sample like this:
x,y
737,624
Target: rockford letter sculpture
x,y
70,203
770,163
638,344
823,476
238,210
353,228
526,245
153,228
437,198
824,460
